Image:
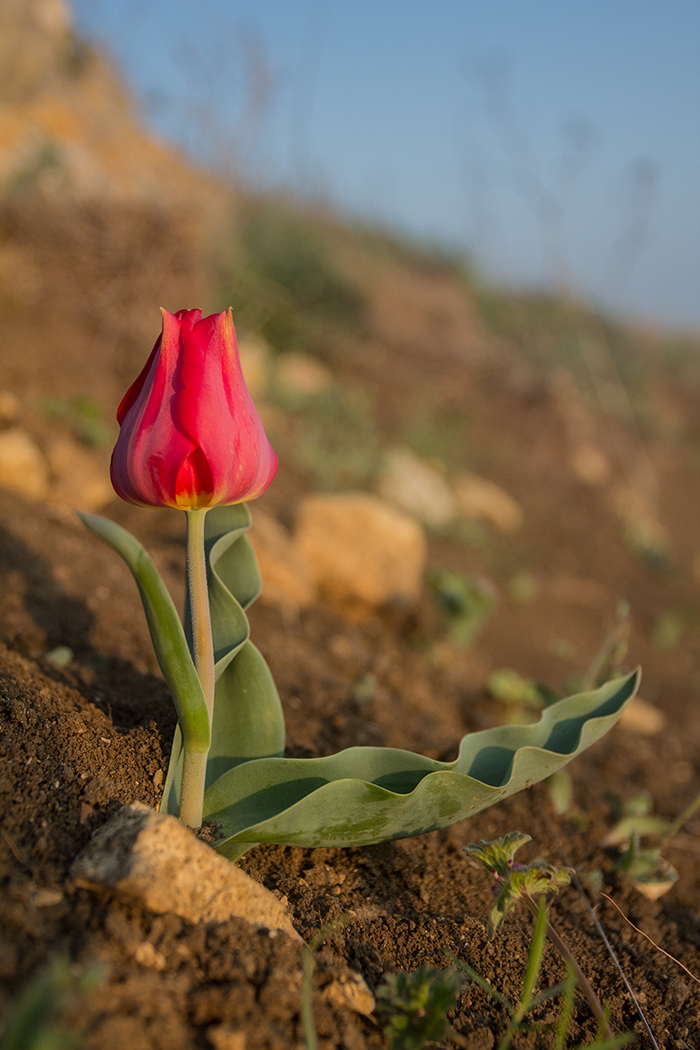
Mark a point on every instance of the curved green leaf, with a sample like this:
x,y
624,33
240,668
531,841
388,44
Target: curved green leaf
x,y
166,630
366,795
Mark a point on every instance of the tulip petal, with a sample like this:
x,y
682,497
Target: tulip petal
x,y
190,434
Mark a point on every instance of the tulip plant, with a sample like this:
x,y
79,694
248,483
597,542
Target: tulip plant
x,y
192,439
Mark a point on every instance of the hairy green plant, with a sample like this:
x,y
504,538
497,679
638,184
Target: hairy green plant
x,y
413,1007
513,882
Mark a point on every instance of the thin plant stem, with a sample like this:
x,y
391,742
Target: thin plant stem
x,y
199,605
679,821
601,932
194,765
583,981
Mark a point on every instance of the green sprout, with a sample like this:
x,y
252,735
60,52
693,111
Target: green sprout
x,y
643,864
466,603
512,880
414,1005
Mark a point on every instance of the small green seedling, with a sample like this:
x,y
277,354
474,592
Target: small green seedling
x,y
648,871
512,880
523,697
644,865
413,1007
466,603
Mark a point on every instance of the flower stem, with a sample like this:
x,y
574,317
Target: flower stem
x,y
194,765
199,605
194,768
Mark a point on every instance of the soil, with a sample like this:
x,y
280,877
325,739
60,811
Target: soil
x,y
78,741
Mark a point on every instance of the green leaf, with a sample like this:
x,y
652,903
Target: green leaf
x,y
166,631
248,721
366,795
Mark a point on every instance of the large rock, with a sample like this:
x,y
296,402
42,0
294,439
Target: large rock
x,y
362,552
416,487
154,860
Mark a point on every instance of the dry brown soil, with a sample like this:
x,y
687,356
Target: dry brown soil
x,y
78,742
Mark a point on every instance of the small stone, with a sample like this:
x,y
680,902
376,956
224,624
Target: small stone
x,y
23,467
147,954
362,552
302,375
676,993
350,992
154,860
46,898
483,500
590,465
642,717
222,1037
416,487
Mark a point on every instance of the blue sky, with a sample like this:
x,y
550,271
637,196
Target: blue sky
x,y
554,141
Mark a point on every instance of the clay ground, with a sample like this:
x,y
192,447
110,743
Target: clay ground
x,y
81,740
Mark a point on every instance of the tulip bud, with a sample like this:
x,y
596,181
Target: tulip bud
x,y
190,435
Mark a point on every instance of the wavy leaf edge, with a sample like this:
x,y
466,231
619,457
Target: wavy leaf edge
x,y
610,699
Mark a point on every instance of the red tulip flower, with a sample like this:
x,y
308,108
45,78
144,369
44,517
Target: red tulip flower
x,y
190,436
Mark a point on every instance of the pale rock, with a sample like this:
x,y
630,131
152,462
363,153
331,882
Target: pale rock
x,y
46,898
9,407
79,480
416,487
154,860
362,551
146,954
590,465
302,374
286,575
483,500
642,717
23,468
350,992
255,362
223,1037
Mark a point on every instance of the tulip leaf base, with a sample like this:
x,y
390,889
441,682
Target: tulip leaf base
x,y
367,795
357,797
